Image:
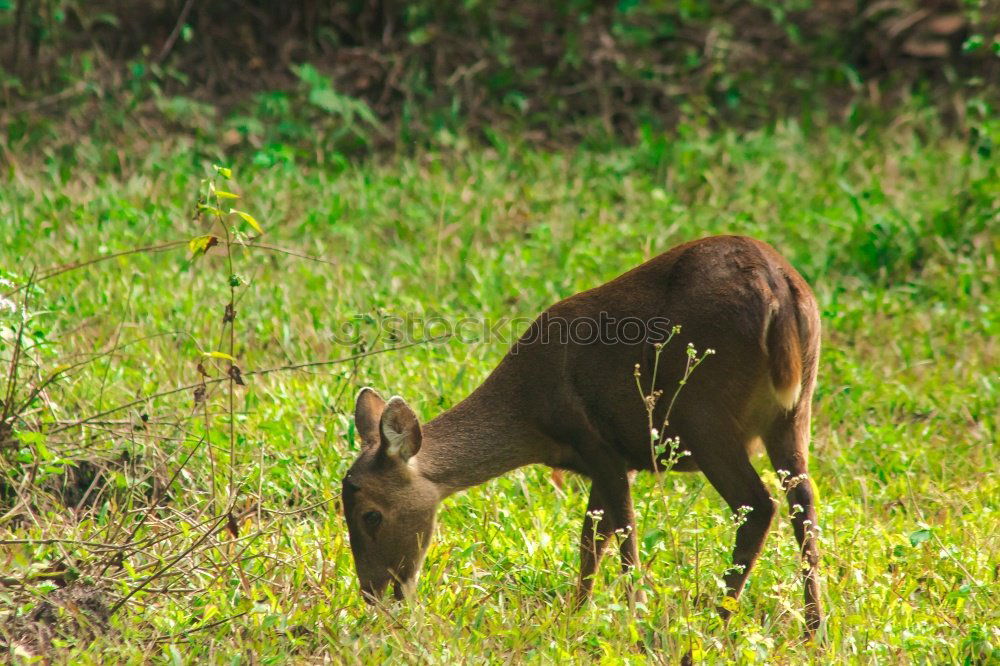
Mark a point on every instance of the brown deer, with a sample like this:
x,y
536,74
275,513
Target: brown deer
x,y
571,402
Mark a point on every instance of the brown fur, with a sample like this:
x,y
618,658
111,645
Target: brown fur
x,y
576,406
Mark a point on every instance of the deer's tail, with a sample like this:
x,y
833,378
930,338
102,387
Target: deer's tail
x,y
783,343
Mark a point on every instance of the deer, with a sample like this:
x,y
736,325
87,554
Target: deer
x,y
570,402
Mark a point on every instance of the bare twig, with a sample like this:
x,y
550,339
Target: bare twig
x,y
48,273
114,347
291,253
172,638
219,520
172,39
69,542
266,371
77,88
8,401
59,270
156,498
63,370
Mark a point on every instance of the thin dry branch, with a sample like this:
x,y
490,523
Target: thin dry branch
x,y
69,542
11,385
167,566
59,270
175,33
291,253
252,373
49,273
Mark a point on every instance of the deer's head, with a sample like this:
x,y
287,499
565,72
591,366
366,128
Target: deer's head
x,y
389,507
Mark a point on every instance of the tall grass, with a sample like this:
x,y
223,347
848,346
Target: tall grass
x,y
210,525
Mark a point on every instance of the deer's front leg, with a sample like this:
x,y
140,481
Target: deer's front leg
x,y
597,528
610,494
629,545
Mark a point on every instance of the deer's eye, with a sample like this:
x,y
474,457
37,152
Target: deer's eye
x,y
372,520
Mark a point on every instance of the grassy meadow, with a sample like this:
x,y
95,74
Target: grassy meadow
x,y
206,522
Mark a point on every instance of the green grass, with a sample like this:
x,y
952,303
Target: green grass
x,y
896,229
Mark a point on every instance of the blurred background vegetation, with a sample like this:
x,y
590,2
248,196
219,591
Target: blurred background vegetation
x,y
306,79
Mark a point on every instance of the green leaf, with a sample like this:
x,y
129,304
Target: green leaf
x,y
730,604
31,437
920,536
210,209
225,172
652,537
311,76
222,194
218,354
249,219
419,36
973,43
326,99
201,244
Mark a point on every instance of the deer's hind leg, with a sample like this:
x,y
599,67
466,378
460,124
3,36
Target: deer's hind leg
x,y
787,444
727,465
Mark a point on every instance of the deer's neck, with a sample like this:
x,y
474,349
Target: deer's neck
x,y
478,439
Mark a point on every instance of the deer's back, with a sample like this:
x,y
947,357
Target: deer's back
x,y
722,291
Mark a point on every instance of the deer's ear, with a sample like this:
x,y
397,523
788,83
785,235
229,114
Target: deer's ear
x,y
400,430
367,413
